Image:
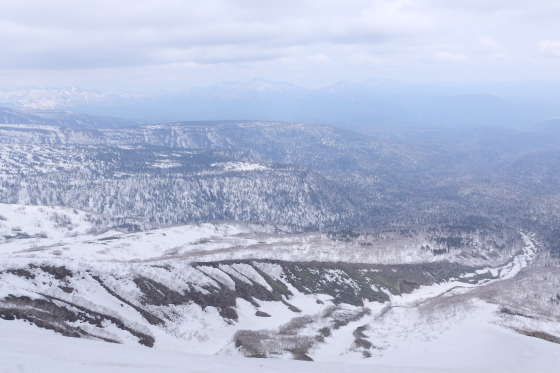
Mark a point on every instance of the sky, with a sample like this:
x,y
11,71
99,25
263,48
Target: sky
x,y
166,45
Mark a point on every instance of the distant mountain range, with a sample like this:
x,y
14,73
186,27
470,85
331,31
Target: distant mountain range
x,y
550,127
60,118
370,103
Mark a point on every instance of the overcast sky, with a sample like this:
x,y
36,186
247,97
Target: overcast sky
x,y
136,45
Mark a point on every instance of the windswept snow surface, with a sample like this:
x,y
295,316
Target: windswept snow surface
x,y
473,346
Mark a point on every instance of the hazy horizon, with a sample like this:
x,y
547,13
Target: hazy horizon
x,y
248,80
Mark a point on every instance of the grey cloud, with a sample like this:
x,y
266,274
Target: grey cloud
x,y
549,47
406,37
149,26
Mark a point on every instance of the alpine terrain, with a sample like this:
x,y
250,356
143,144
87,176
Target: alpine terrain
x,y
128,247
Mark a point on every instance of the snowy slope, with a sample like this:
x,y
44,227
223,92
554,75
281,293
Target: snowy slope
x,y
213,289
467,345
44,231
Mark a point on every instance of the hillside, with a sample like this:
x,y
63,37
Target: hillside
x,y
171,186
250,290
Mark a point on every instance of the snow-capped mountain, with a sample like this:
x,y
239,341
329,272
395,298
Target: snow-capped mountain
x,y
51,98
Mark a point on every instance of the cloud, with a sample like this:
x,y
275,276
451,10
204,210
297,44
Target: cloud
x,y
549,47
485,41
364,59
130,41
319,58
502,57
450,57
103,33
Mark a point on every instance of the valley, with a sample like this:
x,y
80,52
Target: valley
x,y
282,241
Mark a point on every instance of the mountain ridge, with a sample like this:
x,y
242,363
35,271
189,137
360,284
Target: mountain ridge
x,y
260,99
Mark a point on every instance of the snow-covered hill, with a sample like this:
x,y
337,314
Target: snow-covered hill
x,y
170,186
256,290
94,237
